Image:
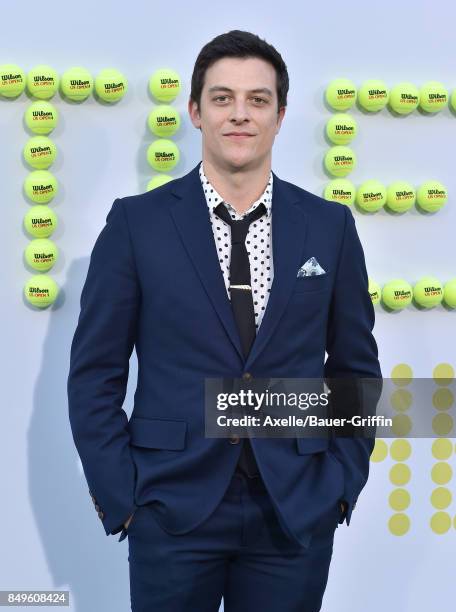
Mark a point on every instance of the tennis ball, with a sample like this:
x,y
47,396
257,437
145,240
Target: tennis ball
x,y
111,85
375,292
158,181
400,196
397,294
453,100
40,152
40,221
433,97
42,82
431,196
164,120
371,196
41,254
428,292
41,290
12,80
341,128
41,117
340,190
340,160
341,94
373,95
165,84
163,155
40,186
449,293
76,84
404,98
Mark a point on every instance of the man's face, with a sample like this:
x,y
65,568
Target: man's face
x,y
239,96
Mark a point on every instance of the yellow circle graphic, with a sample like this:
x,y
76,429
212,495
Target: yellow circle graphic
x,y
400,474
443,399
440,522
380,451
399,524
442,424
400,450
443,374
442,448
399,499
401,400
402,374
441,473
441,498
402,425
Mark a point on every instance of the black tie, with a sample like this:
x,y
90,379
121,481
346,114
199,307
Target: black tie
x,y
241,295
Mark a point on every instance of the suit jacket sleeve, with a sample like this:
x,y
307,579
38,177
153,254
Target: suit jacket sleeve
x,y
352,352
98,372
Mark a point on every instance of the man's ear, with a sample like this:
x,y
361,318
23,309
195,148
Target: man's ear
x,y
280,116
194,113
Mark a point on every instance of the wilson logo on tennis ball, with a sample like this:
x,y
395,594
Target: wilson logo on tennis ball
x,y
38,291
341,128
432,290
404,195
436,193
167,83
402,294
43,257
370,195
166,120
40,151
40,222
42,189
343,159
341,194
436,97
163,156
377,93
42,114
12,78
79,84
409,98
112,87
41,79
346,93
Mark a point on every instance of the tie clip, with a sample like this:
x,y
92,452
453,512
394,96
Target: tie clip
x,y
245,287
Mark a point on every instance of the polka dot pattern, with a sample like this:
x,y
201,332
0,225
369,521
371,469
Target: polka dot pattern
x,y
258,243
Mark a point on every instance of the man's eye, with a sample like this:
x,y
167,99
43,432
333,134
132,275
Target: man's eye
x,y
218,97
260,99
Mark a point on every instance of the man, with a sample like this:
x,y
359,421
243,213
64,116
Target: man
x,y
204,277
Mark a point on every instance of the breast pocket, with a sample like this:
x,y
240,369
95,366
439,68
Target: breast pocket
x,y
319,282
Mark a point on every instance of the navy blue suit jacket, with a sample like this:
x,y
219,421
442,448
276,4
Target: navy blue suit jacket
x,y
154,283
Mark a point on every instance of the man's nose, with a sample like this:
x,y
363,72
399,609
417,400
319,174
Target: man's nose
x,y
239,111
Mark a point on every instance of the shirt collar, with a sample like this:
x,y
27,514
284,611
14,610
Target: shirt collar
x,y
213,198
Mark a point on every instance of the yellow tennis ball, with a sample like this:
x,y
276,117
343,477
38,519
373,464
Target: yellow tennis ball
x,y
373,95
41,254
111,85
453,100
341,128
163,154
41,290
164,120
428,292
40,186
397,294
340,190
375,292
158,181
76,84
41,117
341,94
12,80
371,196
433,97
449,293
42,82
340,160
404,98
431,196
40,152
40,221
400,196
165,84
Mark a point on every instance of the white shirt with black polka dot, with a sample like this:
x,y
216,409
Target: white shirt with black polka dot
x,y
258,243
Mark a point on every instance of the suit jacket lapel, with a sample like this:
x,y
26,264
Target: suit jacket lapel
x,y
191,216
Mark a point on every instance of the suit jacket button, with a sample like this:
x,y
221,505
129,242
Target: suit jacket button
x,y
247,376
101,515
97,507
234,439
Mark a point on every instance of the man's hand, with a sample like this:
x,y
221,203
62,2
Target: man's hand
x,y
342,506
128,521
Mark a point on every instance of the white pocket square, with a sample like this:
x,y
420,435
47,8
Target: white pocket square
x,y
311,268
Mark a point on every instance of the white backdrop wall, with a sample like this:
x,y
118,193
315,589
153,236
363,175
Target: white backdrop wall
x,y
51,536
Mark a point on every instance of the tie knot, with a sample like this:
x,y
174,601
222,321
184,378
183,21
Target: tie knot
x,y
239,228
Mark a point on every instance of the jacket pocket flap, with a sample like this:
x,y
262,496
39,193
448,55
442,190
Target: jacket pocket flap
x,y
157,433
307,446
